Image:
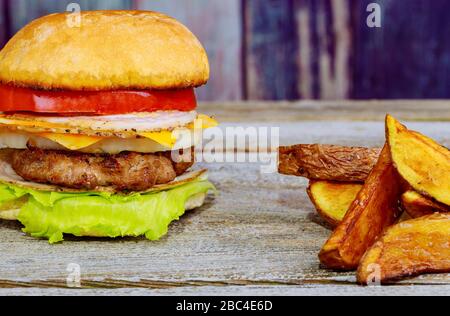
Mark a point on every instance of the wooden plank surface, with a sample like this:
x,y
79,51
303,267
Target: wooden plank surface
x,y
344,110
261,230
259,235
264,290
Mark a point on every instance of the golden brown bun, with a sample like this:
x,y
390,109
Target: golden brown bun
x,y
111,50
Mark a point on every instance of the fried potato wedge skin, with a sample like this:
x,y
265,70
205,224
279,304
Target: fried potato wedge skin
x,y
417,205
375,208
422,162
332,199
408,249
328,162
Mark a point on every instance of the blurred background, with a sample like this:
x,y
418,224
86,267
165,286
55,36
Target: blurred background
x,y
298,49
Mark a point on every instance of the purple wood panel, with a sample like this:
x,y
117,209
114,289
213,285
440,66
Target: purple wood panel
x,y
325,42
4,25
408,57
23,11
217,24
289,49
271,50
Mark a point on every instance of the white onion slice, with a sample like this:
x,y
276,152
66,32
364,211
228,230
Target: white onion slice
x,y
138,122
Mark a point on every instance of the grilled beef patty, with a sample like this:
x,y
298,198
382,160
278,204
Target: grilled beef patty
x,y
127,171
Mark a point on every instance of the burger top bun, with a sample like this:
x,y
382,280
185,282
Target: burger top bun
x,y
107,50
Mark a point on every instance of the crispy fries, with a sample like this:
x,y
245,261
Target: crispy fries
x,y
328,162
375,208
407,249
412,171
416,205
422,162
332,199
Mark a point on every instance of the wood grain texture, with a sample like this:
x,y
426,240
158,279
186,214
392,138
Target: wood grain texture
x,y
23,11
259,236
298,49
224,241
270,242
4,15
408,56
345,110
218,25
271,50
324,36
291,290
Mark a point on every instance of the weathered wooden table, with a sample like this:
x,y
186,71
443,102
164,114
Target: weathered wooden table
x,y
259,236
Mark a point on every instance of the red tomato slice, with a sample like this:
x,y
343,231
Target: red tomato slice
x,y
13,99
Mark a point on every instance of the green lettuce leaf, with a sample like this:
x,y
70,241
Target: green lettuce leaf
x,y
52,214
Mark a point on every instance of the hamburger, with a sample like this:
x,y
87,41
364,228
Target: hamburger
x,y
98,125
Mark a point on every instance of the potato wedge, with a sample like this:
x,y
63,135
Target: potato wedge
x,y
375,208
416,205
328,162
422,162
408,249
332,199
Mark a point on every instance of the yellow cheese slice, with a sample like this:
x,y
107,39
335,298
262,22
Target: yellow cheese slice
x,y
164,138
71,141
25,123
203,121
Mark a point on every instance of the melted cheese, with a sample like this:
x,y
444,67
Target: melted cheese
x,y
78,141
11,122
165,138
168,138
71,141
203,122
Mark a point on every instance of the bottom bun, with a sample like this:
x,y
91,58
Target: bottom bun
x,y
9,215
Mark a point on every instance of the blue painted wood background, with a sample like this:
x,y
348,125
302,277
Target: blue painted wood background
x,y
298,49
